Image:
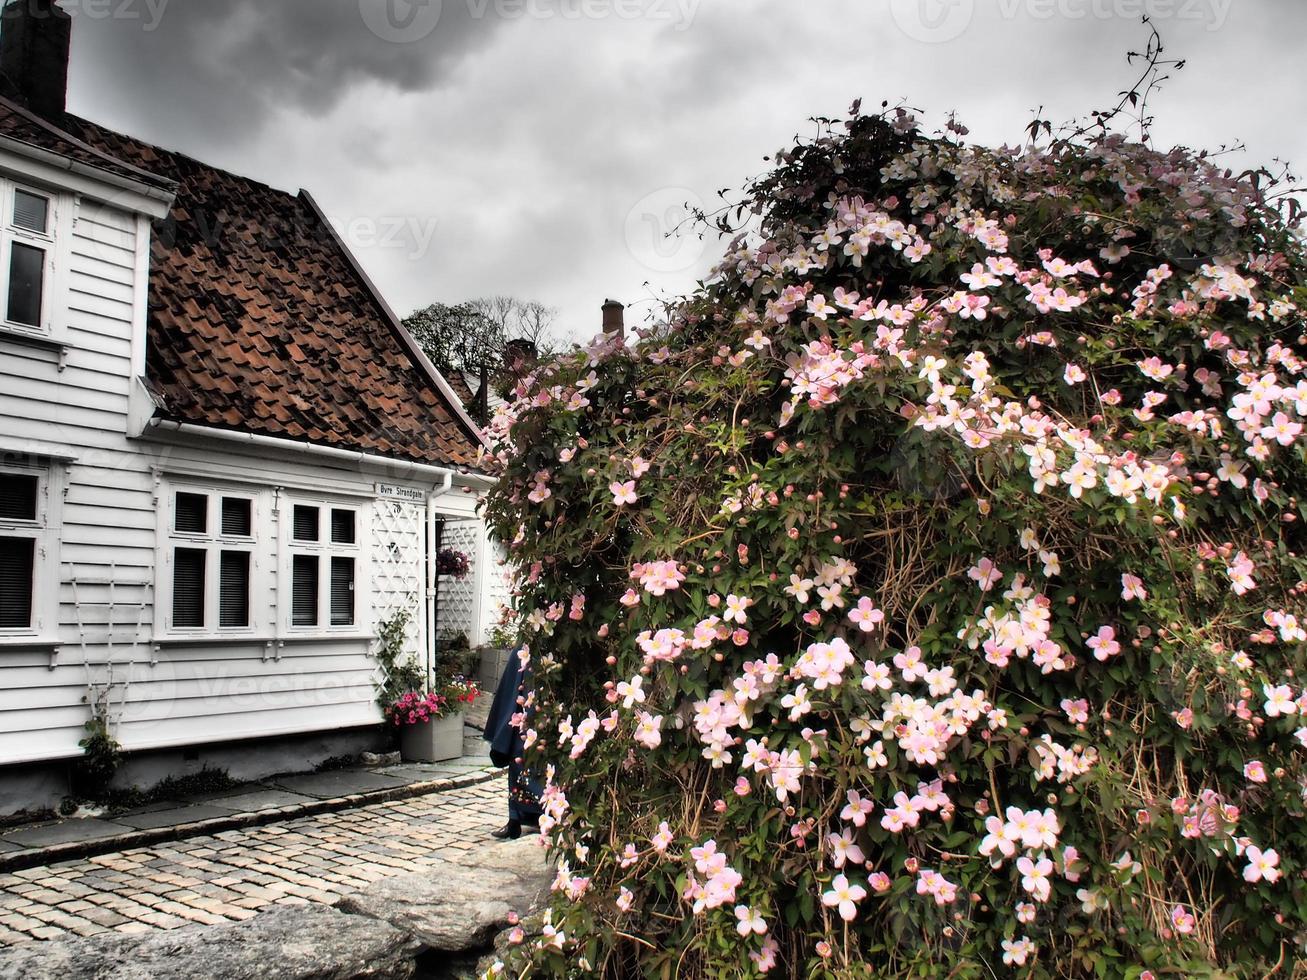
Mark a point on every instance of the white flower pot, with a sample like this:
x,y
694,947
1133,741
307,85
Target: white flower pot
x,y
432,741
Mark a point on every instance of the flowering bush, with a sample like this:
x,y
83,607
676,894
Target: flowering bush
x,y
452,562
415,708
926,599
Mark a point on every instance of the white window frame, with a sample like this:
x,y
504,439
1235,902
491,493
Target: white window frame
x,y
324,549
49,242
258,545
44,532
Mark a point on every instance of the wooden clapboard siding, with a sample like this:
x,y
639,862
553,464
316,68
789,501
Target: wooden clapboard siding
x,y
76,407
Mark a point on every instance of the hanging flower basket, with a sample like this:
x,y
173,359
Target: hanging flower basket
x,y
452,563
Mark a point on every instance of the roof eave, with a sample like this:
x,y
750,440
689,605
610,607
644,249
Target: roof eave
x,y
151,199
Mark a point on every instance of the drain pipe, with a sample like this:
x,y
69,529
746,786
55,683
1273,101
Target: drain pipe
x,y
435,528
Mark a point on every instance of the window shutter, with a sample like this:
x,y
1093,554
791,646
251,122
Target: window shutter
x,y
17,560
236,522
31,211
342,527
304,590
26,283
18,497
188,588
192,513
342,591
234,589
306,523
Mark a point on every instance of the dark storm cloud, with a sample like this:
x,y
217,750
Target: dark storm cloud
x,y
538,147
218,70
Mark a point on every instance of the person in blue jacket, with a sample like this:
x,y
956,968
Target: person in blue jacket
x,y
508,749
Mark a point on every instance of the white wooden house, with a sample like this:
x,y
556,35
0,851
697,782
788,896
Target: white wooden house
x,y
223,461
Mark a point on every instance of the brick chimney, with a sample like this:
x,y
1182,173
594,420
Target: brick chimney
x,y
35,36
613,318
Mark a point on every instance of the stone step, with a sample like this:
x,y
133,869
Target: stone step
x,y
310,942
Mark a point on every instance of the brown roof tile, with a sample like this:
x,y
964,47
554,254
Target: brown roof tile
x,y
19,124
259,320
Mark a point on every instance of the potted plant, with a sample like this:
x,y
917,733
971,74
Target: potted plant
x,y
430,724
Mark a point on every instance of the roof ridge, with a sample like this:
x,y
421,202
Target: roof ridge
x,y
81,144
178,155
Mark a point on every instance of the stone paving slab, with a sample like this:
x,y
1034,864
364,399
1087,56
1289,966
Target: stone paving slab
x,y
260,799
337,783
64,832
423,770
230,875
148,819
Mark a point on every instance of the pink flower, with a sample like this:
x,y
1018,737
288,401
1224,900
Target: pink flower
x,y
1182,920
1074,374
985,574
844,896
1077,711
1262,865
1104,643
623,493
736,607
749,921
1132,587
866,615
1254,771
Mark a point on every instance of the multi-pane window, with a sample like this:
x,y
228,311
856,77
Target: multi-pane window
x,y
27,256
211,542
324,557
24,538
259,563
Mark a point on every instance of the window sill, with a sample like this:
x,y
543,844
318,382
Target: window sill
x,y
36,340
272,645
178,640
51,645
32,640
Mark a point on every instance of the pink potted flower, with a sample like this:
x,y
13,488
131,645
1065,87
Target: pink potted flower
x,y
430,724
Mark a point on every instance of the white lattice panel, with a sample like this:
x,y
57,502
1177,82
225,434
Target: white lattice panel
x,y
458,605
497,587
397,565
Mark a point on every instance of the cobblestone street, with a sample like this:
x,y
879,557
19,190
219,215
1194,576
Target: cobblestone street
x,y
232,875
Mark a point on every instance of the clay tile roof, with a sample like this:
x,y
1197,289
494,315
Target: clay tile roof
x,y
19,124
458,381
260,321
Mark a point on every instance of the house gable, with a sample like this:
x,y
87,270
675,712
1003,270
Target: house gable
x,y
260,321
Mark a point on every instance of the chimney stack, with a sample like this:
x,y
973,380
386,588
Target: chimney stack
x,y
614,323
35,36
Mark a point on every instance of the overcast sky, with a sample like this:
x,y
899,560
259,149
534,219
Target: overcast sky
x,y
539,148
